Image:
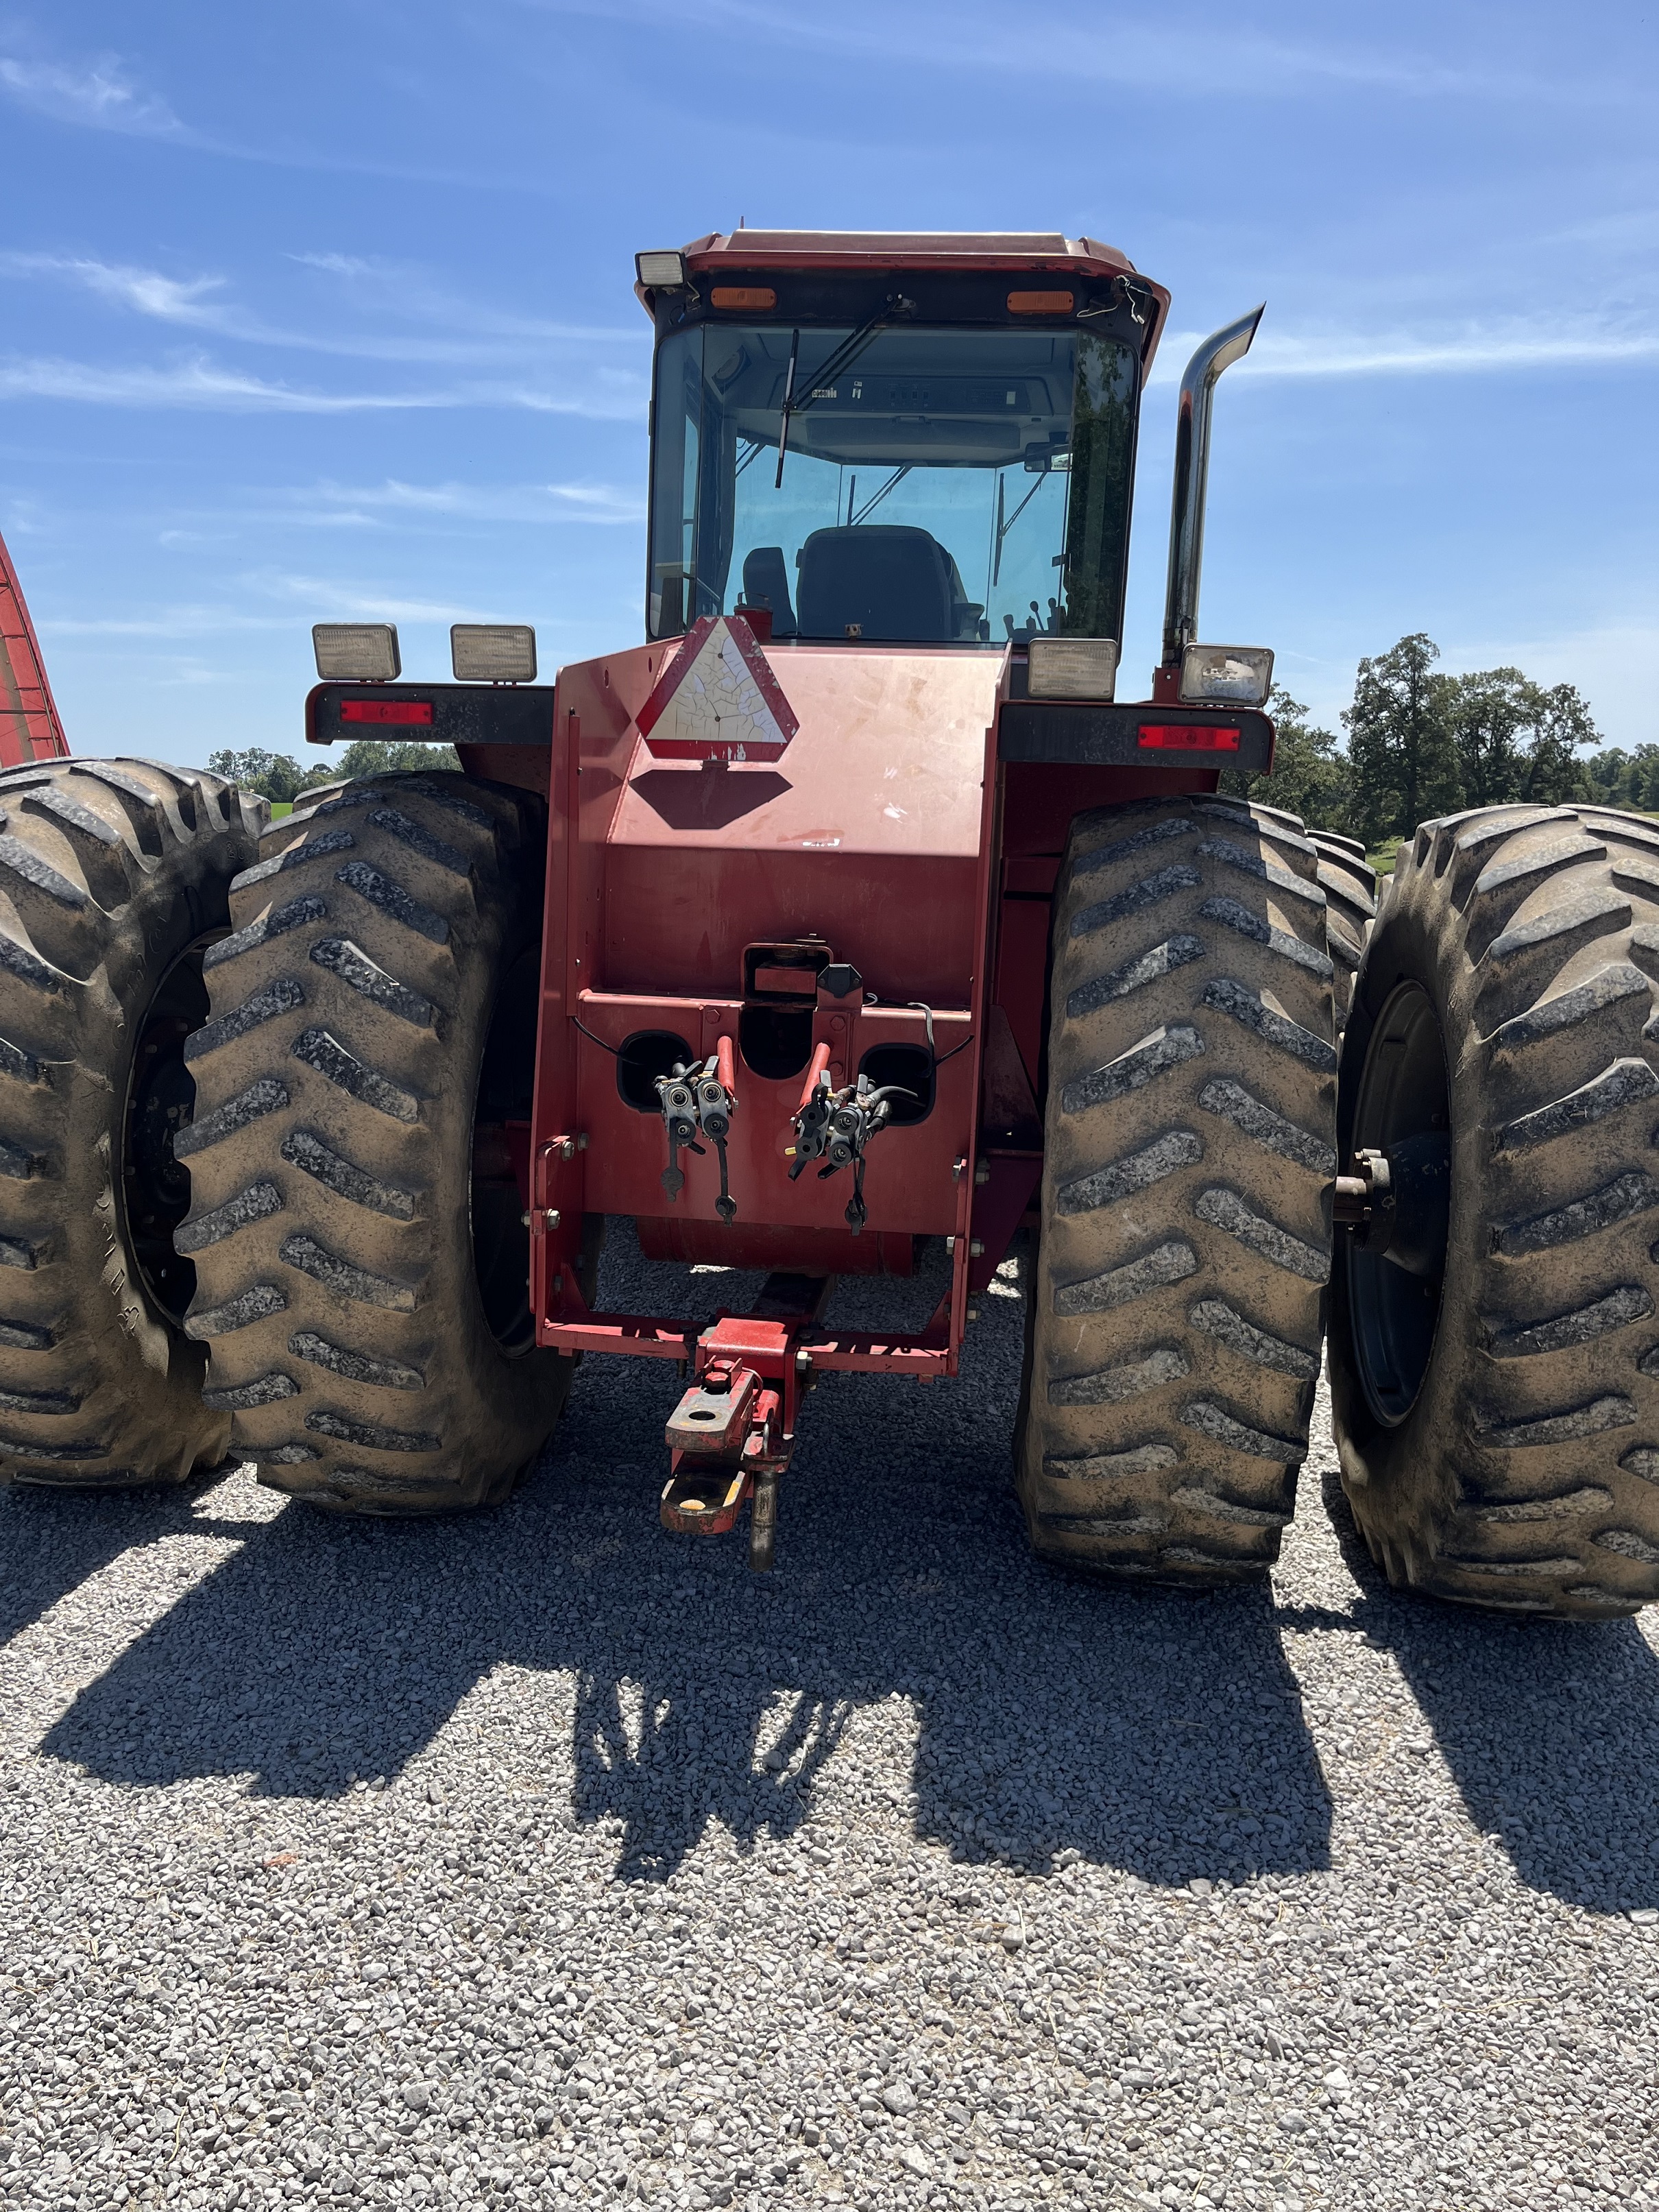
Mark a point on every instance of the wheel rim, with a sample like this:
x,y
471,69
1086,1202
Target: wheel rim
x,y
161,1102
1403,1097
501,1151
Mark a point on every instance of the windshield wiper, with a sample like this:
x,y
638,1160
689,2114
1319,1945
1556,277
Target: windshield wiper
x,y
877,497
893,309
787,409
1003,528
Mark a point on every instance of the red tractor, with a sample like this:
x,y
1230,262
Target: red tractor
x,y
842,927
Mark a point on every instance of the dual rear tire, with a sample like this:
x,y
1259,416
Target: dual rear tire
x,y
364,1105
1491,1334
266,1110
113,877
1495,1373
1177,1304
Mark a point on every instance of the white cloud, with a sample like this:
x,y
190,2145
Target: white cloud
x,y
1476,350
319,599
99,97
325,598
146,291
196,383
1158,51
338,264
479,337
550,502
164,622
405,289
202,383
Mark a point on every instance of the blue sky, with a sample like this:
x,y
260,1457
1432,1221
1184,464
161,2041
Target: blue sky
x,y
325,311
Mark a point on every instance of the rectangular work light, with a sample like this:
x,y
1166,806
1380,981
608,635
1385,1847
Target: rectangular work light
x,y
1072,667
661,272
356,653
493,653
1226,675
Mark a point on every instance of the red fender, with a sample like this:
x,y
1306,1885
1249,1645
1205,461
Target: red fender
x,y
29,727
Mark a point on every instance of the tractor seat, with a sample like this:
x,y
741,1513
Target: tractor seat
x,y
883,581
766,584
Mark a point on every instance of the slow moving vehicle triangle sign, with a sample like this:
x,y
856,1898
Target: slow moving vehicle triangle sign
x,y
718,700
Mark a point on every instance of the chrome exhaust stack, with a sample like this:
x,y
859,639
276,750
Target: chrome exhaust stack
x,y
1192,468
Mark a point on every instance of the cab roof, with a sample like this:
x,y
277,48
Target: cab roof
x,y
818,253
907,249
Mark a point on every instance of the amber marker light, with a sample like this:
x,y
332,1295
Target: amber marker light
x,y
759,297
1040,303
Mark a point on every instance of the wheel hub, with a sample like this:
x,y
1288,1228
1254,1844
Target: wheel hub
x,y
1396,1203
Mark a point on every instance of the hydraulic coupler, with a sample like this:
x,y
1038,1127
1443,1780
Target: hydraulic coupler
x,y
836,1125
700,1100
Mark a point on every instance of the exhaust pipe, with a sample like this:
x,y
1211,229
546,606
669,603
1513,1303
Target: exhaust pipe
x,y
1192,468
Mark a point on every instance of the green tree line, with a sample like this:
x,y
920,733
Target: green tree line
x,y
1421,743
280,777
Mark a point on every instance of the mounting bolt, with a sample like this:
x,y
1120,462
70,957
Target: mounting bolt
x,y
975,1249
959,1168
973,1313
950,1243
551,1217
982,1172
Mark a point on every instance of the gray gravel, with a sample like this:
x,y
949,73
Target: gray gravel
x,y
544,1857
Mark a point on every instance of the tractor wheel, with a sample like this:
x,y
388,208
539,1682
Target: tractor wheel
x,y
358,1232
1350,885
1184,1247
1494,1348
114,880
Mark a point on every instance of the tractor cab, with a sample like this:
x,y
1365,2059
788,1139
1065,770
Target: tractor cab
x,y
941,457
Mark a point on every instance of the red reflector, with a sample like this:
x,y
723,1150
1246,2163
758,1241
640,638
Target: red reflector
x,y
1186,738
386,710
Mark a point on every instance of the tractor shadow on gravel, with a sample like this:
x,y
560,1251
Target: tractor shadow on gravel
x,y
566,1643
642,1679
1550,1729
53,1543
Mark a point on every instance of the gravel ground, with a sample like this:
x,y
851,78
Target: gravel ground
x,y
544,1857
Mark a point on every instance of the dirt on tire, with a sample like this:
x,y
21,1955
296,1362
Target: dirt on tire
x,y
1176,1300
113,877
1524,1472
371,1039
